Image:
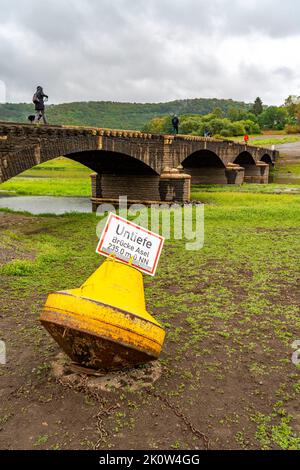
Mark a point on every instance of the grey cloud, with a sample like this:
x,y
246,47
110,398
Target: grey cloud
x,y
285,72
273,18
136,51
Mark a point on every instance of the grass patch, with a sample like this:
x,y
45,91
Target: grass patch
x,y
283,168
268,140
199,189
18,268
231,311
58,177
274,141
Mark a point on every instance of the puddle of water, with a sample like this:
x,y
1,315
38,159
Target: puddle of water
x,y
45,204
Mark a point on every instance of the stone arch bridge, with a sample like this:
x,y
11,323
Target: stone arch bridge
x,y
143,166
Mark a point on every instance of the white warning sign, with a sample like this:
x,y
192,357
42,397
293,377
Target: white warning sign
x,y
130,243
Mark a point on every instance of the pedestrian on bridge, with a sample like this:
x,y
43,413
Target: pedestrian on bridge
x,y
246,139
39,102
175,124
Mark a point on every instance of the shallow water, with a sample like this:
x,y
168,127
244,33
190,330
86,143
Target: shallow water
x,y
45,204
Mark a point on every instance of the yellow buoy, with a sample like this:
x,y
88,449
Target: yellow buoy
x,y
104,323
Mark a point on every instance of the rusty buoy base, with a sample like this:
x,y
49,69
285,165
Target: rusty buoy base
x,y
104,323
94,351
83,378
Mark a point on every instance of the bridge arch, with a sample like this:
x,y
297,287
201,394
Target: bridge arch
x,y
267,159
244,158
253,172
205,167
116,174
108,162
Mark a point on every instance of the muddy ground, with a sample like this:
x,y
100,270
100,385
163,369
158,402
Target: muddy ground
x,y
228,381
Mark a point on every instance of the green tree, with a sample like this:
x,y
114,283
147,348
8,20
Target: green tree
x,y
237,128
196,124
292,106
191,125
216,125
234,113
218,112
250,126
237,114
159,125
208,117
273,118
258,106
226,132
251,117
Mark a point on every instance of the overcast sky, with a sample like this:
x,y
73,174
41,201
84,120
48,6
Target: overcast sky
x,y
150,50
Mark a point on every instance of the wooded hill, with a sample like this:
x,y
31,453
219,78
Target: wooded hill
x,y
118,115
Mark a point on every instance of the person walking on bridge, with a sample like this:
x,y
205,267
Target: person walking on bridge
x,y
39,102
175,124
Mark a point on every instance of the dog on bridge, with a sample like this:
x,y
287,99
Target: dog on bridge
x,y
31,118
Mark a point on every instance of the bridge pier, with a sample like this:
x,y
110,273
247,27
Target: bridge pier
x,y
172,185
109,186
231,174
258,173
264,172
234,174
